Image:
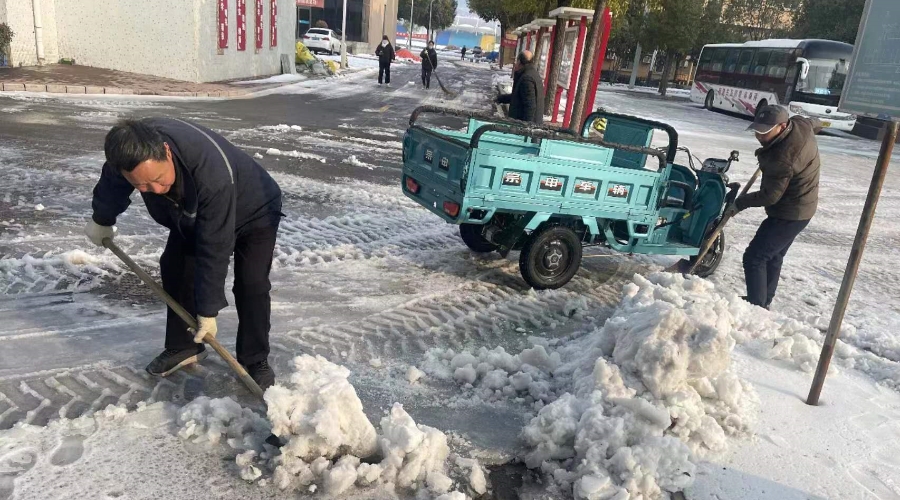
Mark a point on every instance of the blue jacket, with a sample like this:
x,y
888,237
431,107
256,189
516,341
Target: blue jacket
x,y
211,202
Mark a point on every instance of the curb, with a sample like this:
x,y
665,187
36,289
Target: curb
x,y
94,90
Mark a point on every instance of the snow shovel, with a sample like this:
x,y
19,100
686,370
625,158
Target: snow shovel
x,y
440,83
186,316
714,235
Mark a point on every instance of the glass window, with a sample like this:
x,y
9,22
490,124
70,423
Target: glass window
x,y
744,61
731,60
778,64
718,59
761,62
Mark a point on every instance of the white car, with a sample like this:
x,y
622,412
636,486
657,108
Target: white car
x,y
323,40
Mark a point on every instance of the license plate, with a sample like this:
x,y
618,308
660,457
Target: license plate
x,y
826,124
314,38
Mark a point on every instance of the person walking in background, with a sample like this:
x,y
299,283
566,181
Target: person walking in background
x,y
429,63
386,56
526,102
789,191
463,53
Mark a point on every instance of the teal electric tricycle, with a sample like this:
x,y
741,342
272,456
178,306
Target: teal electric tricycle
x,y
511,185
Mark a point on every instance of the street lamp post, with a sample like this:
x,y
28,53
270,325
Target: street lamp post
x,y
384,19
429,20
344,38
412,5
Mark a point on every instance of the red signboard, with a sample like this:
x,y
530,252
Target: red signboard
x,y
318,4
416,36
273,19
242,24
510,44
223,23
260,33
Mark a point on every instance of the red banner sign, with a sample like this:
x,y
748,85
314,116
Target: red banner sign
x,y
223,24
510,44
242,24
260,33
273,19
318,4
416,36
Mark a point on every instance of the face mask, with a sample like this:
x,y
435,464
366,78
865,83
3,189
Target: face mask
x,y
384,43
431,46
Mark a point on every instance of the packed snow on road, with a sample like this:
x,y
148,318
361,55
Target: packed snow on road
x,y
409,367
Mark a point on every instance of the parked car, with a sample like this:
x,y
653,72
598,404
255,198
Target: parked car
x,y
476,53
323,40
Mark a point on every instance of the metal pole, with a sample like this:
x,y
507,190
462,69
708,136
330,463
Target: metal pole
x,y
429,22
409,34
859,244
634,66
384,19
38,31
344,38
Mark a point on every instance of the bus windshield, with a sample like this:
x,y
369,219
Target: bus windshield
x,y
826,77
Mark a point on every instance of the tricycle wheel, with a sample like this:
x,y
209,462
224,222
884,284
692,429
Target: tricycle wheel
x,y
713,258
471,236
550,258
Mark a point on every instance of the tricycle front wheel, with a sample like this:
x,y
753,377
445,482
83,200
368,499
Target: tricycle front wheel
x,y
550,257
712,259
471,236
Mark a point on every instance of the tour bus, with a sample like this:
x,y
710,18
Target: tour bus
x,y
805,75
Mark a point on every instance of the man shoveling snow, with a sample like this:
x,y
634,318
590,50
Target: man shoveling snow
x,y
215,200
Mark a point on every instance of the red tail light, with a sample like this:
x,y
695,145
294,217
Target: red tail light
x,y
451,209
412,186
306,37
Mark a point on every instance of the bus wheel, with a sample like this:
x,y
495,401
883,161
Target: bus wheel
x,y
710,96
760,106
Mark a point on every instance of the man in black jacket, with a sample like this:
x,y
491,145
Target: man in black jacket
x,y
789,191
429,63
386,56
216,201
526,102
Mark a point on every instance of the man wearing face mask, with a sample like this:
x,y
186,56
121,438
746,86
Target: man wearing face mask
x,y
429,62
789,192
385,53
216,201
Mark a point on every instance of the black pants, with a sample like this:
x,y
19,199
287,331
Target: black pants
x,y
384,72
764,256
252,263
426,77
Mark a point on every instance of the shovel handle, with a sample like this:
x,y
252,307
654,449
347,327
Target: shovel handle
x,y
186,316
708,243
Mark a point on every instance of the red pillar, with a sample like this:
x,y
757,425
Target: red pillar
x,y
607,26
576,69
528,42
549,59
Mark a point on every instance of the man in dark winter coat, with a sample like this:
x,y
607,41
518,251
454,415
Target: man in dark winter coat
x,y
789,191
216,201
463,53
429,63
386,56
526,102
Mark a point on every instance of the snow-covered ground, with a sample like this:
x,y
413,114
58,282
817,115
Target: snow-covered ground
x,y
407,366
685,93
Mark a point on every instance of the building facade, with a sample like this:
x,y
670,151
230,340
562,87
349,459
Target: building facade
x,y
191,40
367,20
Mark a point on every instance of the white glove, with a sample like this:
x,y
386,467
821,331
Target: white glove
x,y
206,326
97,233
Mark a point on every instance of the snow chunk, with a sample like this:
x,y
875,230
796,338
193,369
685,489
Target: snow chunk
x,y
414,374
295,154
356,162
411,451
206,420
39,207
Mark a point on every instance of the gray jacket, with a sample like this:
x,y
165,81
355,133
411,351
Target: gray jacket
x,y
789,188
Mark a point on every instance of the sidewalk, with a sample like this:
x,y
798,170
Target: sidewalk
x,y
73,79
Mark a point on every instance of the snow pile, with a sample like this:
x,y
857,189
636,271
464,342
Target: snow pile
x,y
650,389
281,128
495,375
206,420
330,443
294,154
356,162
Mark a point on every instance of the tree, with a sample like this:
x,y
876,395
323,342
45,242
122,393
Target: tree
x,y
629,22
712,28
587,69
509,13
559,37
760,19
443,12
671,27
321,24
828,19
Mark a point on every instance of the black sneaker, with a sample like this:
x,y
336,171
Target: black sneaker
x,y
262,374
172,360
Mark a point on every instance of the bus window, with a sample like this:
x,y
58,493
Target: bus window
x,y
761,62
706,59
718,59
731,60
744,62
778,64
